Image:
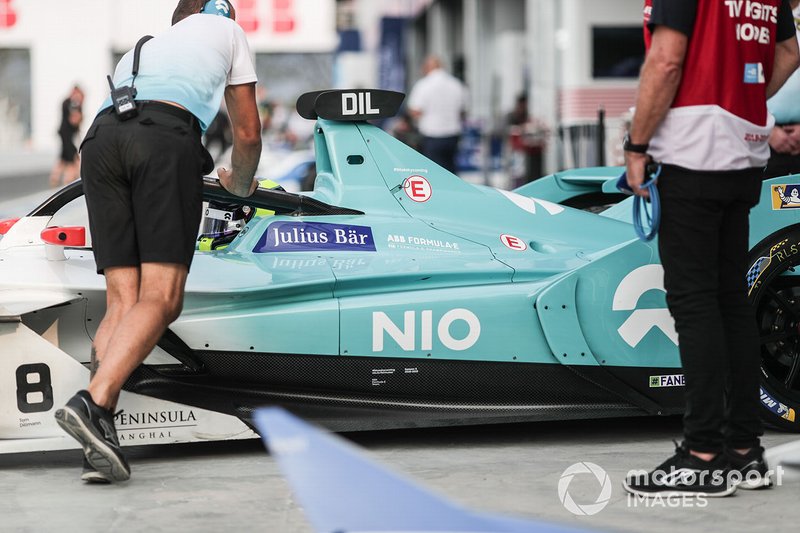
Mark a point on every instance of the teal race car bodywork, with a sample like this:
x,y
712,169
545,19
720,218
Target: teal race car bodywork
x,y
398,295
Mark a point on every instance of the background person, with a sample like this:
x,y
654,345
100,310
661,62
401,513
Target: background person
x,y
143,186
784,139
437,103
701,112
67,167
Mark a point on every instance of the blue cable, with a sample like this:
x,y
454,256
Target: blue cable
x,y
652,215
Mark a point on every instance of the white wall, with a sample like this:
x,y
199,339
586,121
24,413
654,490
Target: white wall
x,y
73,41
575,34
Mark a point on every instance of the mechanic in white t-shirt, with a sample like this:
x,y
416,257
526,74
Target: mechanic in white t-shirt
x,y
437,102
142,173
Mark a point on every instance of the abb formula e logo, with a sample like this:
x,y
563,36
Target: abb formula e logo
x,y
407,336
641,321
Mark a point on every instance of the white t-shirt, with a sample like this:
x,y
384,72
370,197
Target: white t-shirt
x,y
440,98
190,64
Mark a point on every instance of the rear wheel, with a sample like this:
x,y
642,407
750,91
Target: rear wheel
x,y
774,290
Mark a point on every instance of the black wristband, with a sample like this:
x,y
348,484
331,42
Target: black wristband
x,y
628,146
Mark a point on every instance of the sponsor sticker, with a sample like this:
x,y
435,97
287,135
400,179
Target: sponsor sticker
x,y
783,411
406,170
785,196
152,425
756,269
780,253
358,104
415,242
287,236
514,243
417,188
754,73
669,380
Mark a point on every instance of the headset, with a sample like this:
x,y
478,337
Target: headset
x,y
217,7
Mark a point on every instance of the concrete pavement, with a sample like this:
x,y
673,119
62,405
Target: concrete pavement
x,y
510,469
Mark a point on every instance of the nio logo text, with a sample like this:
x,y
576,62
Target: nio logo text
x,y
358,104
406,337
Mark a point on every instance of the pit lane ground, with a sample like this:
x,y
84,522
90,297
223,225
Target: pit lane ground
x,y
509,469
236,486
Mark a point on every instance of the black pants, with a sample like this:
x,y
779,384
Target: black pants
x,y
703,243
441,150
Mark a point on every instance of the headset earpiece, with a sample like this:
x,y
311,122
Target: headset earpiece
x,y
217,7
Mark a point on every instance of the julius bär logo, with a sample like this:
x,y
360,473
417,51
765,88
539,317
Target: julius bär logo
x,y
315,236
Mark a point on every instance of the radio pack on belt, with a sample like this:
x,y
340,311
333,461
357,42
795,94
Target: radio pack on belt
x,y
124,98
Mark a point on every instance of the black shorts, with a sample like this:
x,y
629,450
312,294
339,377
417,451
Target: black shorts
x,y
143,184
68,149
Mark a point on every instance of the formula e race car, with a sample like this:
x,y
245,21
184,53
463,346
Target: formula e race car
x,y
393,295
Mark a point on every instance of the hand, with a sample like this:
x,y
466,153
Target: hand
x,y
230,185
793,133
785,140
635,169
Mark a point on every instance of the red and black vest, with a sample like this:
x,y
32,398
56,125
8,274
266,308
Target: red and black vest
x,y
718,119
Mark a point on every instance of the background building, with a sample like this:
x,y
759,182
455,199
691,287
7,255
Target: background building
x,y
570,57
47,46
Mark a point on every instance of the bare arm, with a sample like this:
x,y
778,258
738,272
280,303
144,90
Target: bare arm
x,y
246,126
787,59
658,83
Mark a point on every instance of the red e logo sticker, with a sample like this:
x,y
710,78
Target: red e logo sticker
x,y
515,243
417,188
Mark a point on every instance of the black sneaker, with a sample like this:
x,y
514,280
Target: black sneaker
x,y
93,427
750,469
91,475
681,474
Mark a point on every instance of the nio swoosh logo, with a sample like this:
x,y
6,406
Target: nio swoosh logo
x,y
641,321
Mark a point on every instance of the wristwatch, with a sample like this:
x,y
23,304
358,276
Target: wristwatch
x,y
628,146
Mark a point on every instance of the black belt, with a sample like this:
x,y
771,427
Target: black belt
x,y
161,107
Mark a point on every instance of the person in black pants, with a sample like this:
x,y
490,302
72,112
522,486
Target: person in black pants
x,y
708,128
67,167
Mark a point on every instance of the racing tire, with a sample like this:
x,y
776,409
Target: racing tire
x,y
774,290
